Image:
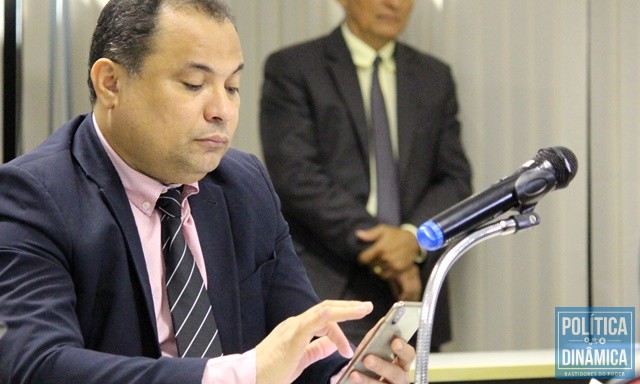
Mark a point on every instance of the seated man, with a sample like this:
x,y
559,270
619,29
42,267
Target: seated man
x,y
134,235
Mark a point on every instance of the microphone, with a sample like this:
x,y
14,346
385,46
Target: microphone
x,y
551,168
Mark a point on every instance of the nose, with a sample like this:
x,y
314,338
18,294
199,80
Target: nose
x,y
394,3
222,105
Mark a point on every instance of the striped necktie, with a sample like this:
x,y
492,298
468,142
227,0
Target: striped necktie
x,y
194,326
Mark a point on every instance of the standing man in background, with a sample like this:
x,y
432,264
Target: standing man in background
x,y
361,138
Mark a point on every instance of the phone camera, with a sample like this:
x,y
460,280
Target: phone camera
x,y
398,315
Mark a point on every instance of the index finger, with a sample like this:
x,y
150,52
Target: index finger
x,y
321,320
370,254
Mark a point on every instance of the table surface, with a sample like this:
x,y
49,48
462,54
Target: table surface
x,y
461,366
495,365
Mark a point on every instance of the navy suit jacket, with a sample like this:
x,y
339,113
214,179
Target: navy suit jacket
x,y
74,289
314,134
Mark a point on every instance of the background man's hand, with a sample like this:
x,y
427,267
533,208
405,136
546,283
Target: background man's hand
x,y
407,285
392,251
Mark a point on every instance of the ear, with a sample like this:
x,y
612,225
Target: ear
x,y
106,76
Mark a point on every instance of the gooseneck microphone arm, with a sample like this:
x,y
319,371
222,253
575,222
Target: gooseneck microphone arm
x,y
465,223
503,227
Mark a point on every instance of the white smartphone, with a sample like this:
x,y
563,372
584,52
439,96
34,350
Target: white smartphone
x,y
3,329
402,320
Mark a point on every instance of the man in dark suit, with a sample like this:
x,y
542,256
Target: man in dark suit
x,y
317,110
84,289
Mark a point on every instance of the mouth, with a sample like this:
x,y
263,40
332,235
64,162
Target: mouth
x,y
388,18
214,141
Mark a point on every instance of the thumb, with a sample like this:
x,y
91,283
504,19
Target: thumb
x,y
368,235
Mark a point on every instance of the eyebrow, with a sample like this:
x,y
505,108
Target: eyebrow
x,y
208,69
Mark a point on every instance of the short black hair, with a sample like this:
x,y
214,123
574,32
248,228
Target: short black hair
x,y
125,28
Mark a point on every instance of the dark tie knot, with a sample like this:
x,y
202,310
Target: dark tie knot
x,y
170,202
376,63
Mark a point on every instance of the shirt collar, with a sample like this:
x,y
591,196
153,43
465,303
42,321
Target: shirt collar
x,y
363,55
142,190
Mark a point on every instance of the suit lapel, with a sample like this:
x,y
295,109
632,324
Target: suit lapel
x,y
91,156
209,210
210,213
345,77
408,101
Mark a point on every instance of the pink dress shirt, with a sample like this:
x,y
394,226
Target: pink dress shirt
x,y
142,192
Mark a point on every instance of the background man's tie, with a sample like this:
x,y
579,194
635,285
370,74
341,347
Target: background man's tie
x,y
193,322
386,178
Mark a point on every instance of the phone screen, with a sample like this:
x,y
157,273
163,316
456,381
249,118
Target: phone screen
x,y
402,320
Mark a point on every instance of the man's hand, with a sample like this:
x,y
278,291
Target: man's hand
x,y
396,371
392,251
288,349
407,285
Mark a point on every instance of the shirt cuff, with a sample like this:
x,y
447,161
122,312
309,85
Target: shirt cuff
x,y
236,369
420,257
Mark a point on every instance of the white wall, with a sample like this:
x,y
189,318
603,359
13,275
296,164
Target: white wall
x,y
522,77
530,74
38,68
615,159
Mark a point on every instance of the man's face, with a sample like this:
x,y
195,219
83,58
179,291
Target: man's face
x,y
174,121
377,22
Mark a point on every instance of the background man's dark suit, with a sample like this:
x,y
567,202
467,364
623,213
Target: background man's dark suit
x,y
314,135
74,288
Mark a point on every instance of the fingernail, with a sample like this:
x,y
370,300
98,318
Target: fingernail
x,y
370,363
349,353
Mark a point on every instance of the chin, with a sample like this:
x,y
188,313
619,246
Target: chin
x,y
210,167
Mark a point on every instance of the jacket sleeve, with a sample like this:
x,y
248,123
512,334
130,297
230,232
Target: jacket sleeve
x,y
290,291
451,172
44,342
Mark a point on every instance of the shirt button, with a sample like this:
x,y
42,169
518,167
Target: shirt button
x,y
146,205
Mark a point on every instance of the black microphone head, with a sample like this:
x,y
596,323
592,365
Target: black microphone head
x,y
563,162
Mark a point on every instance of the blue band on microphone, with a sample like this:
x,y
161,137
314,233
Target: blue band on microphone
x,y
430,236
